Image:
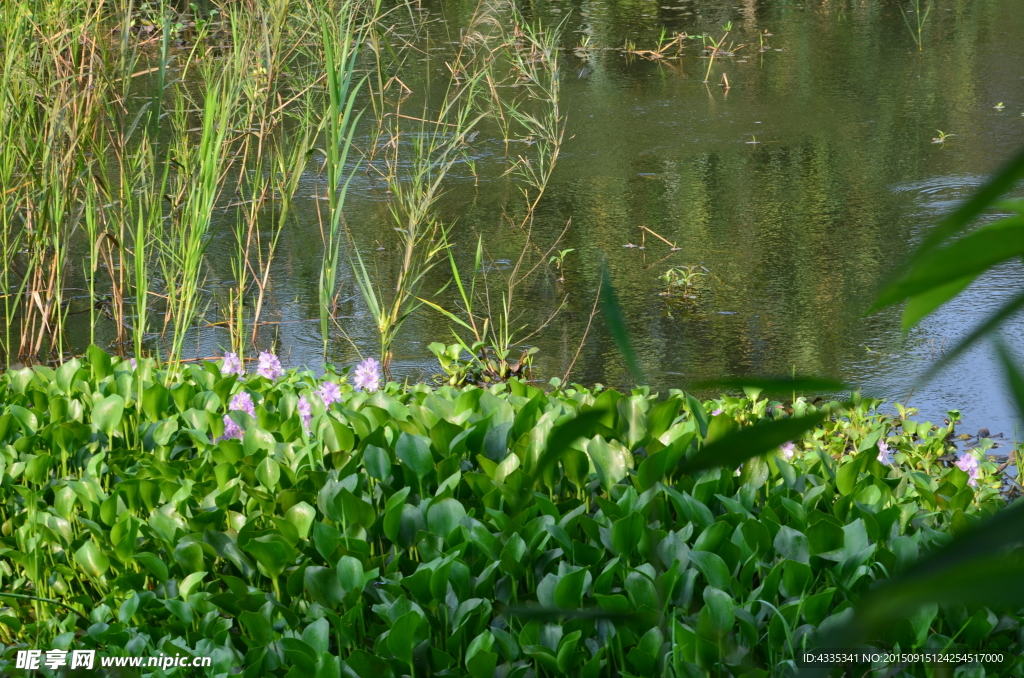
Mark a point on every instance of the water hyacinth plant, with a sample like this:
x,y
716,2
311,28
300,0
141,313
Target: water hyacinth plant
x,y
399,530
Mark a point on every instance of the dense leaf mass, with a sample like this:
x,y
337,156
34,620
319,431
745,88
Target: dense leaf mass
x,y
509,531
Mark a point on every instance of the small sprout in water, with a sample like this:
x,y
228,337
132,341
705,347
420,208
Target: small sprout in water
x,y
941,139
558,260
681,281
753,140
1000,106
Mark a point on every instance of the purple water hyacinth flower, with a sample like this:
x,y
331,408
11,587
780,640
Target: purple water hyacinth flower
x,y
716,412
884,455
133,363
232,364
367,376
788,450
969,465
270,366
231,430
243,403
305,412
329,393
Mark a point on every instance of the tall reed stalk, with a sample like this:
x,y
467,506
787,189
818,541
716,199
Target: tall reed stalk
x,y
202,173
340,35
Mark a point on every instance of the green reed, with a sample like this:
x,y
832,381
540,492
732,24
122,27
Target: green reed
x,y
201,176
919,20
340,36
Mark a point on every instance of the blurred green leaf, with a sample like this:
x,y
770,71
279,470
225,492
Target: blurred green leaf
x,y
735,448
616,323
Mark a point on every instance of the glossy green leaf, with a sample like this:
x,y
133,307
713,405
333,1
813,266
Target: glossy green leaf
x,y
107,413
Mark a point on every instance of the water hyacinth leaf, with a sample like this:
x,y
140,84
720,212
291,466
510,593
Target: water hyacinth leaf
x,y
735,448
713,568
189,583
268,472
302,516
414,451
272,553
350,574
626,534
189,556
611,460
720,426
721,611
367,665
91,559
406,633
569,590
106,414
793,544
444,516
128,608
323,586
155,566
99,362
482,664
376,462
25,418
66,375
700,415
318,636
562,436
179,609
257,627
226,548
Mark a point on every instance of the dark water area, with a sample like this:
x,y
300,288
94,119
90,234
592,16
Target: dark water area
x,y
800,188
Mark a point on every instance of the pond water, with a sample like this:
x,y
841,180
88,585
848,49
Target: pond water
x,y
800,189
